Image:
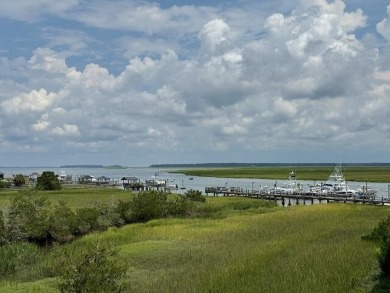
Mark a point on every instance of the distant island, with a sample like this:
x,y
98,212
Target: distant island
x,y
94,166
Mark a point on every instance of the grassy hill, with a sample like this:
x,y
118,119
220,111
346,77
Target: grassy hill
x,y
238,245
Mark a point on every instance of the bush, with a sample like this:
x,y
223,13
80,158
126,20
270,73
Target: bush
x,y
384,258
123,209
86,220
19,180
2,229
195,195
381,234
48,181
148,205
180,206
94,270
28,218
63,223
4,184
108,217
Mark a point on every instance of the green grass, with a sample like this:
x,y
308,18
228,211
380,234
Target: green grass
x,y
241,246
351,173
75,198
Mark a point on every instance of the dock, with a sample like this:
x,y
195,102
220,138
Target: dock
x,y
287,199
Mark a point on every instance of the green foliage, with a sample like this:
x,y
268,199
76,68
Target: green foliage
x,y
149,205
4,184
94,270
381,232
63,223
108,216
87,220
352,173
19,180
2,229
384,259
28,217
124,210
48,181
195,195
15,256
180,206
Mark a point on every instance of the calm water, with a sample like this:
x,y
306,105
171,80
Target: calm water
x,y
193,182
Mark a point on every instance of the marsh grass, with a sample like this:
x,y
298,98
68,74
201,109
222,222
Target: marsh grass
x,y
248,247
75,198
320,173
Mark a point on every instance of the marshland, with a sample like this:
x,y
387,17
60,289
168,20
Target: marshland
x,y
220,245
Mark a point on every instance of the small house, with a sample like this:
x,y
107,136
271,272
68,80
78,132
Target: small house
x,y
103,180
132,183
34,177
87,179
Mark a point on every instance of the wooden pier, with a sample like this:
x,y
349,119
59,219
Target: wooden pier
x,y
295,198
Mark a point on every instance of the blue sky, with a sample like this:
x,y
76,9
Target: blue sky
x,y
146,82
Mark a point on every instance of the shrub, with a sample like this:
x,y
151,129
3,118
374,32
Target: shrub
x,y
2,228
381,234
63,223
4,184
195,195
123,208
94,270
180,206
148,205
86,220
108,217
48,181
19,180
384,258
28,218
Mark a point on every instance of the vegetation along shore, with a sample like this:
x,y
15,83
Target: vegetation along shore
x,y
357,173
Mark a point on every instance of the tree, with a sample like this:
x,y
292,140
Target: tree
x,y
48,181
19,180
29,218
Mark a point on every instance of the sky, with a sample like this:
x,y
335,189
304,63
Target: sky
x,y
137,83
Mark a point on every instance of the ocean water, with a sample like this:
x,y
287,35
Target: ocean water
x,y
183,181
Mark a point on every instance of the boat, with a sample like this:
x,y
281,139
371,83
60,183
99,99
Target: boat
x,y
182,185
336,184
291,186
365,191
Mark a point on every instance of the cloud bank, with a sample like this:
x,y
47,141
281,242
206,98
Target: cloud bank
x,y
204,84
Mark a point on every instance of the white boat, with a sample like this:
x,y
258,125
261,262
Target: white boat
x,y
291,186
336,184
365,191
